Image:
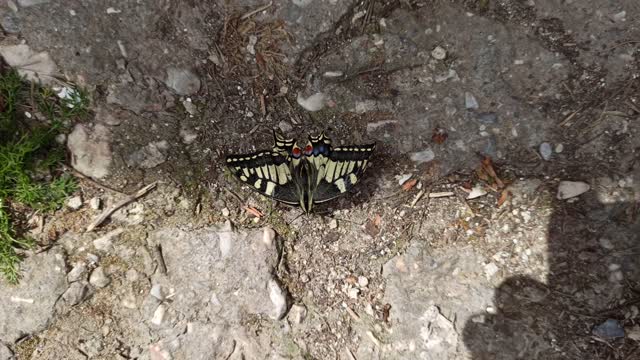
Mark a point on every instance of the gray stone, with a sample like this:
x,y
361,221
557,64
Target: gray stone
x,y
74,203
35,66
546,151
297,314
423,156
94,203
149,156
90,150
610,329
105,242
29,306
78,272
439,53
98,278
470,101
487,118
27,3
183,81
76,293
570,189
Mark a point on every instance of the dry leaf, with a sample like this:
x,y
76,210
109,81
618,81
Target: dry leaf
x,y
503,197
439,135
409,184
253,211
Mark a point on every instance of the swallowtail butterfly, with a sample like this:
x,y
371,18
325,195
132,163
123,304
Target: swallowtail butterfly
x,y
302,176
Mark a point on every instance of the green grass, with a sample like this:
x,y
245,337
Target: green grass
x,y
30,177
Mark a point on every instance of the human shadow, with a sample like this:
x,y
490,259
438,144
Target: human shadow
x,y
592,291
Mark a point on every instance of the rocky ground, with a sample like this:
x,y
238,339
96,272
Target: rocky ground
x,y
499,219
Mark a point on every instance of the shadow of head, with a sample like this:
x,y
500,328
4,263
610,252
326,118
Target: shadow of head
x,y
592,292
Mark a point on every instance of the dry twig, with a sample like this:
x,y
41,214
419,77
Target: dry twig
x,y
108,212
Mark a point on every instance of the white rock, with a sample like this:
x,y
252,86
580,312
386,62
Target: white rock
x,y
77,272
570,189
559,148
188,136
90,150
158,315
74,203
268,236
94,203
297,314
36,66
225,212
403,178
423,156
363,281
490,269
314,102
439,53
157,292
353,293
105,242
476,192
333,224
278,299
470,101
183,81
98,278
333,74
545,151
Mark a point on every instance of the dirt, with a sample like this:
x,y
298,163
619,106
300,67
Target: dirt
x,y
516,273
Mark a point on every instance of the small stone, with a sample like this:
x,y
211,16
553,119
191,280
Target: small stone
x,y
94,203
488,118
403,178
77,273
620,17
278,299
559,148
570,189
76,293
470,101
353,293
188,136
313,103
158,315
423,156
105,242
333,224
297,314
183,81
333,74
285,127
363,281
439,53
490,270
268,236
157,292
606,243
90,149
610,329
74,203
545,151
98,278
225,212
476,192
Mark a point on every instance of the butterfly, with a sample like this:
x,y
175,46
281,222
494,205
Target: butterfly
x,y
302,176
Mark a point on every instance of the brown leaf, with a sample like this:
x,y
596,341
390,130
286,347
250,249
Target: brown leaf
x,y
503,197
351,280
439,135
372,227
409,184
487,165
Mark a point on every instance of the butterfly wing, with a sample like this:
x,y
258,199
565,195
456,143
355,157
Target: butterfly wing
x,y
341,169
267,172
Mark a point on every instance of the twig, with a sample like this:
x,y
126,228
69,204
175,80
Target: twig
x,y
350,354
157,251
93,182
102,217
441,194
417,198
257,10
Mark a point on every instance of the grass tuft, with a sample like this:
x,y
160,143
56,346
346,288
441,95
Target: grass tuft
x,y
31,118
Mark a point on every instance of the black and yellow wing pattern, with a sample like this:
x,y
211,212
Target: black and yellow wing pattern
x,y
302,176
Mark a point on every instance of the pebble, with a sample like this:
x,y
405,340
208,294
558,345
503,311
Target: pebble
x,y
158,315
476,192
285,127
353,293
570,189
77,273
225,212
488,118
76,292
490,269
94,203
332,74
470,101
545,151
297,314
74,203
157,292
606,243
610,329
278,299
268,236
98,278
559,148
363,281
183,81
423,156
105,242
403,178
188,136
439,53
313,103
333,224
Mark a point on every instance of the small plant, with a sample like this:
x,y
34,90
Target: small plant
x,y
31,118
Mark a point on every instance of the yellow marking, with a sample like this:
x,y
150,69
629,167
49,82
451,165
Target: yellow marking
x,y
321,173
246,172
353,178
270,187
364,164
338,170
254,156
352,164
257,184
237,168
265,171
243,178
272,173
359,164
282,174
331,168
341,185
259,172
252,170
229,160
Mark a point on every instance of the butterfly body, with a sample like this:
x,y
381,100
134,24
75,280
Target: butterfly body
x,y
302,176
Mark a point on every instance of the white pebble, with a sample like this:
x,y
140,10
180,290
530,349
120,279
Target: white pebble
x,y
363,281
158,315
157,292
439,53
94,203
314,102
545,151
74,203
570,189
